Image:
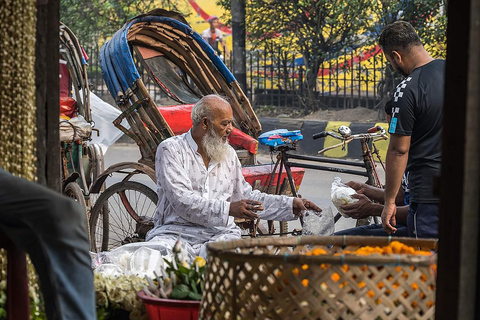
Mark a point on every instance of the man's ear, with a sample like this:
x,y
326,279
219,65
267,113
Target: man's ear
x,y
397,57
204,123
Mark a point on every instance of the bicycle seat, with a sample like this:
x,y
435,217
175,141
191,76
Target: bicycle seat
x,y
280,137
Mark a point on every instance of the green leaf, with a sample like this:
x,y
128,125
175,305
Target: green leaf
x,y
180,292
183,269
193,285
195,296
169,263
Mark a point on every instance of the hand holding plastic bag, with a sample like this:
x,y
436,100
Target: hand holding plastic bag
x,y
318,223
341,194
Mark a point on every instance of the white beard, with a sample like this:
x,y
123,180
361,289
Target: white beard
x,y
214,146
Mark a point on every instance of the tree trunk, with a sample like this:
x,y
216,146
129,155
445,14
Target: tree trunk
x,y
312,102
238,35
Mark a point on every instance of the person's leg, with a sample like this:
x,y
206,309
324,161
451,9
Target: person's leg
x,y
201,248
426,220
412,211
373,230
52,230
165,243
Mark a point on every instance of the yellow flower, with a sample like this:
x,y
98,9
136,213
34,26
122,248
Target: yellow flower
x,y
199,261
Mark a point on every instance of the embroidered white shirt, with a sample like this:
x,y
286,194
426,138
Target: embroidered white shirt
x,y
195,201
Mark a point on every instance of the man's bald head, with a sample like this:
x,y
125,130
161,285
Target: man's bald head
x,y
208,106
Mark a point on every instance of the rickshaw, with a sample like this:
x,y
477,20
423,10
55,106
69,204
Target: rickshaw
x,y
82,161
162,48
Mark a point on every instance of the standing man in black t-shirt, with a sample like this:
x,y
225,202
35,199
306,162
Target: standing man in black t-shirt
x,y
415,129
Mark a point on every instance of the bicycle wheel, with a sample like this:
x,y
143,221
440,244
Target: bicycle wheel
x,y
73,190
130,207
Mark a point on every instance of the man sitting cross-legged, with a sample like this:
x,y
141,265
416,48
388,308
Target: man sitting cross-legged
x,y
201,188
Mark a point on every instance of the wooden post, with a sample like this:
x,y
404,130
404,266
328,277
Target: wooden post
x,y
48,93
458,290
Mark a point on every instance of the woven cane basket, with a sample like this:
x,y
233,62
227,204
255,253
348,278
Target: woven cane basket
x,y
280,278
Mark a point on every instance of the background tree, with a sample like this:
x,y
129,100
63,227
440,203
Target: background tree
x,y
428,17
325,29
316,28
95,20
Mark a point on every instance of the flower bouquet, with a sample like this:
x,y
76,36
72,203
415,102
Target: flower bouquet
x,y
177,289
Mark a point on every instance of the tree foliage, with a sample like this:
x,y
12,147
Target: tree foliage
x,y
317,28
96,20
428,17
314,27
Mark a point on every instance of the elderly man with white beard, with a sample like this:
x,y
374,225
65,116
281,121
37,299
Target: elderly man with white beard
x,y
201,188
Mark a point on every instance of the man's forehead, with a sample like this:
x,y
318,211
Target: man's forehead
x,y
219,107
223,110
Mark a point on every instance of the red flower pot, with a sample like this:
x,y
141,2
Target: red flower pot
x,y
169,309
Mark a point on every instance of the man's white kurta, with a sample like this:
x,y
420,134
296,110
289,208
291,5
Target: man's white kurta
x,y
195,201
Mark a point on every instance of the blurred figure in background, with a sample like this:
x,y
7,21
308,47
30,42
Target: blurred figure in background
x,y
214,37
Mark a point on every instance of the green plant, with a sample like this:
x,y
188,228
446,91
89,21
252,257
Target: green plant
x,y
179,280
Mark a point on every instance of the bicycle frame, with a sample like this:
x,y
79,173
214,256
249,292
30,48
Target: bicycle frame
x,y
283,161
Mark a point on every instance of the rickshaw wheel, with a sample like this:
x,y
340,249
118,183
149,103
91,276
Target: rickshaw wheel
x,y
95,163
73,190
130,207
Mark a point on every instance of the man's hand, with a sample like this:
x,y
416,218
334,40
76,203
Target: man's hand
x,y
300,204
355,185
245,209
388,218
360,209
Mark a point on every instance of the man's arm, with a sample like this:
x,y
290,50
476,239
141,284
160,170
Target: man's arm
x,y
273,207
396,162
364,208
374,193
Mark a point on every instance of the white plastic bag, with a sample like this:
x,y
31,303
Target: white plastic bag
x,y
144,262
341,194
109,269
103,115
318,223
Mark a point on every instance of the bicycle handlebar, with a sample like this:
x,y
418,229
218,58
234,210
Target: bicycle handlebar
x,y
319,135
373,132
375,129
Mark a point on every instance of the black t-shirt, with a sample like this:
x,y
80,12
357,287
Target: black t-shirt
x,y
417,109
